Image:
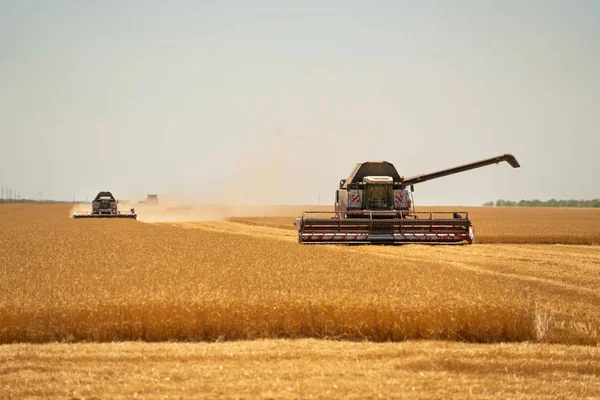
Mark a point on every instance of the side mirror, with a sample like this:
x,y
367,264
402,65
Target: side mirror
x,y
412,188
342,182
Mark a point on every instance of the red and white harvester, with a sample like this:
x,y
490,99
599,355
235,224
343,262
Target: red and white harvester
x,y
373,205
105,206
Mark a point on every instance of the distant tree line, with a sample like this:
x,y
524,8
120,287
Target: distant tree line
x,y
594,203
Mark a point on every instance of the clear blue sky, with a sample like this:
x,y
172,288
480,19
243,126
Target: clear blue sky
x,y
274,101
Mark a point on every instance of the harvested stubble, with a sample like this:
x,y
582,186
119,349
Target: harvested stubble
x,y
98,280
299,369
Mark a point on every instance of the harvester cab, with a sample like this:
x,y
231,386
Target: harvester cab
x,y
374,205
363,192
105,206
104,203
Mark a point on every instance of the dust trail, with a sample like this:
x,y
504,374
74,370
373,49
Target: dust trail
x,y
272,171
185,212
81,207
276,169
178,209
172,209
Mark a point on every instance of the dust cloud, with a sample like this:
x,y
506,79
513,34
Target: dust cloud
x,y
270,180
177,209
281,170
210,212
80,208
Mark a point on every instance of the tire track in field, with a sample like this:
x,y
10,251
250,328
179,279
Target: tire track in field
x,y
389,252
241,229
565,287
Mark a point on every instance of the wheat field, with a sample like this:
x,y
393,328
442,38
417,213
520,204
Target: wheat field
x,y
98,280
246,278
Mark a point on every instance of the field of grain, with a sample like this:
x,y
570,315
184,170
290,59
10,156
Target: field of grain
x,y
246,278
99,280
298,369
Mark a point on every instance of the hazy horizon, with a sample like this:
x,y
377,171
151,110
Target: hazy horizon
x,y
272,102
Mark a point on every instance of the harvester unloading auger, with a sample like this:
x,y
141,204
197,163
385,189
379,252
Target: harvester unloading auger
x,y
105,206
374,206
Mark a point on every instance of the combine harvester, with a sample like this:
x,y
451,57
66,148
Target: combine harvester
x,y
105,206
373,206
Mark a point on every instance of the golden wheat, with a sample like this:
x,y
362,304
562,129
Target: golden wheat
x,y
101,280
534,225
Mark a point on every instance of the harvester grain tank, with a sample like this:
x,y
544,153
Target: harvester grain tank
x,y
105,206
373,205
